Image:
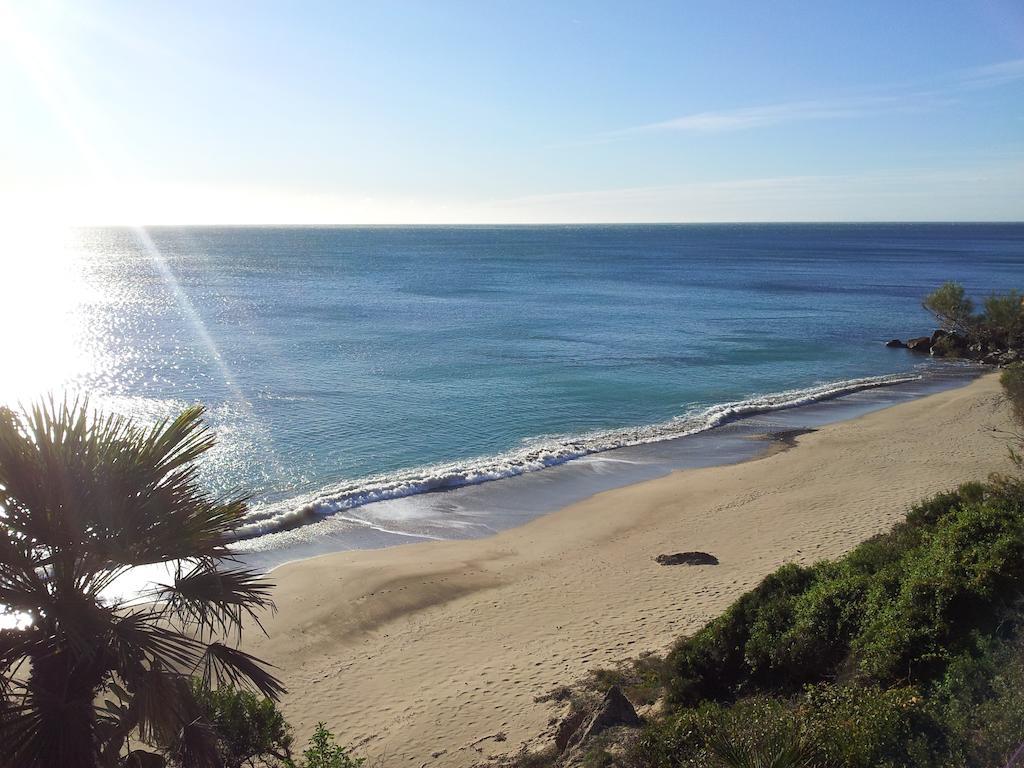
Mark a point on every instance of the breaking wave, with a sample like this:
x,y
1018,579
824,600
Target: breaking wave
x,y
535,455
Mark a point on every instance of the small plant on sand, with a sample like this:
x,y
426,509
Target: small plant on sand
x,y
324,753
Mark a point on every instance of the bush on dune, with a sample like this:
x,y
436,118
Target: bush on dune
x,y
906,652
324,753
713,664
895,600
248,727
962,578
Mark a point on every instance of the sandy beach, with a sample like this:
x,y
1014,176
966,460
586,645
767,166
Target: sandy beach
x,y
433,653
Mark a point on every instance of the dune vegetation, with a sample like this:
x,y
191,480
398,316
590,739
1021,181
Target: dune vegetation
x,y
908,651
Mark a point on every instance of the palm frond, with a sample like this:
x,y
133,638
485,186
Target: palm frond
x,y
15,646
21,732
140,637
164,710
160,704
40,728
225,666
22,586
109,491
208,600
198,746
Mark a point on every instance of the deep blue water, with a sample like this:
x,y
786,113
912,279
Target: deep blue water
x,y
332,356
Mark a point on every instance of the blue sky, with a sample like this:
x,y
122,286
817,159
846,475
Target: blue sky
x,y
399,111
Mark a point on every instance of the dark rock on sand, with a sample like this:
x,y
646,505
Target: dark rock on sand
x,y
895,343
687,558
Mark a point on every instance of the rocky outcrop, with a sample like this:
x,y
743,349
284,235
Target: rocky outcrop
x,y
687,558
947,344
920,344
568,728
614,711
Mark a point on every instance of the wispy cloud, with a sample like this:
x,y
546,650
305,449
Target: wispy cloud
x,y
770,114
987,191
993,75
887,99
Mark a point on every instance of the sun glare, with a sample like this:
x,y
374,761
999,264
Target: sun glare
x,y
43,294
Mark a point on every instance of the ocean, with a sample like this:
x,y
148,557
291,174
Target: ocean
x,y
348,369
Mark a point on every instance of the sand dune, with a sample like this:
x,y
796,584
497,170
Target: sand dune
x,y
432,654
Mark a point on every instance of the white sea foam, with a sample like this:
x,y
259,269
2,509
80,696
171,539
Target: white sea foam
x,y
535,455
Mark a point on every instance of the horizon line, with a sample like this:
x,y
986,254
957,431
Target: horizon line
x,y
723,222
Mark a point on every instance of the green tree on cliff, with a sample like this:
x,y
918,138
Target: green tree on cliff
x,y
951,307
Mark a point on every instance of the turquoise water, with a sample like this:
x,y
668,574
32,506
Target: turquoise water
x,y
346,365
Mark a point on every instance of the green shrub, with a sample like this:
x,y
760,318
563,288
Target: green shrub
x,y
671,742
909,651
247,726
967,570
929,512
1003,318
713,664
824,619
894,609
868,727
998,719
322,752
1012,379
1000,325
692,737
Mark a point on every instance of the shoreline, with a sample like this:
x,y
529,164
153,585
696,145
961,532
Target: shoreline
x,y
487,506
433,653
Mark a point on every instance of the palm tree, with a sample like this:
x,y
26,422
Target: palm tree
x,y
83,499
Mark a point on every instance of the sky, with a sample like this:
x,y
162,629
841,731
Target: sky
x,y
485,111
